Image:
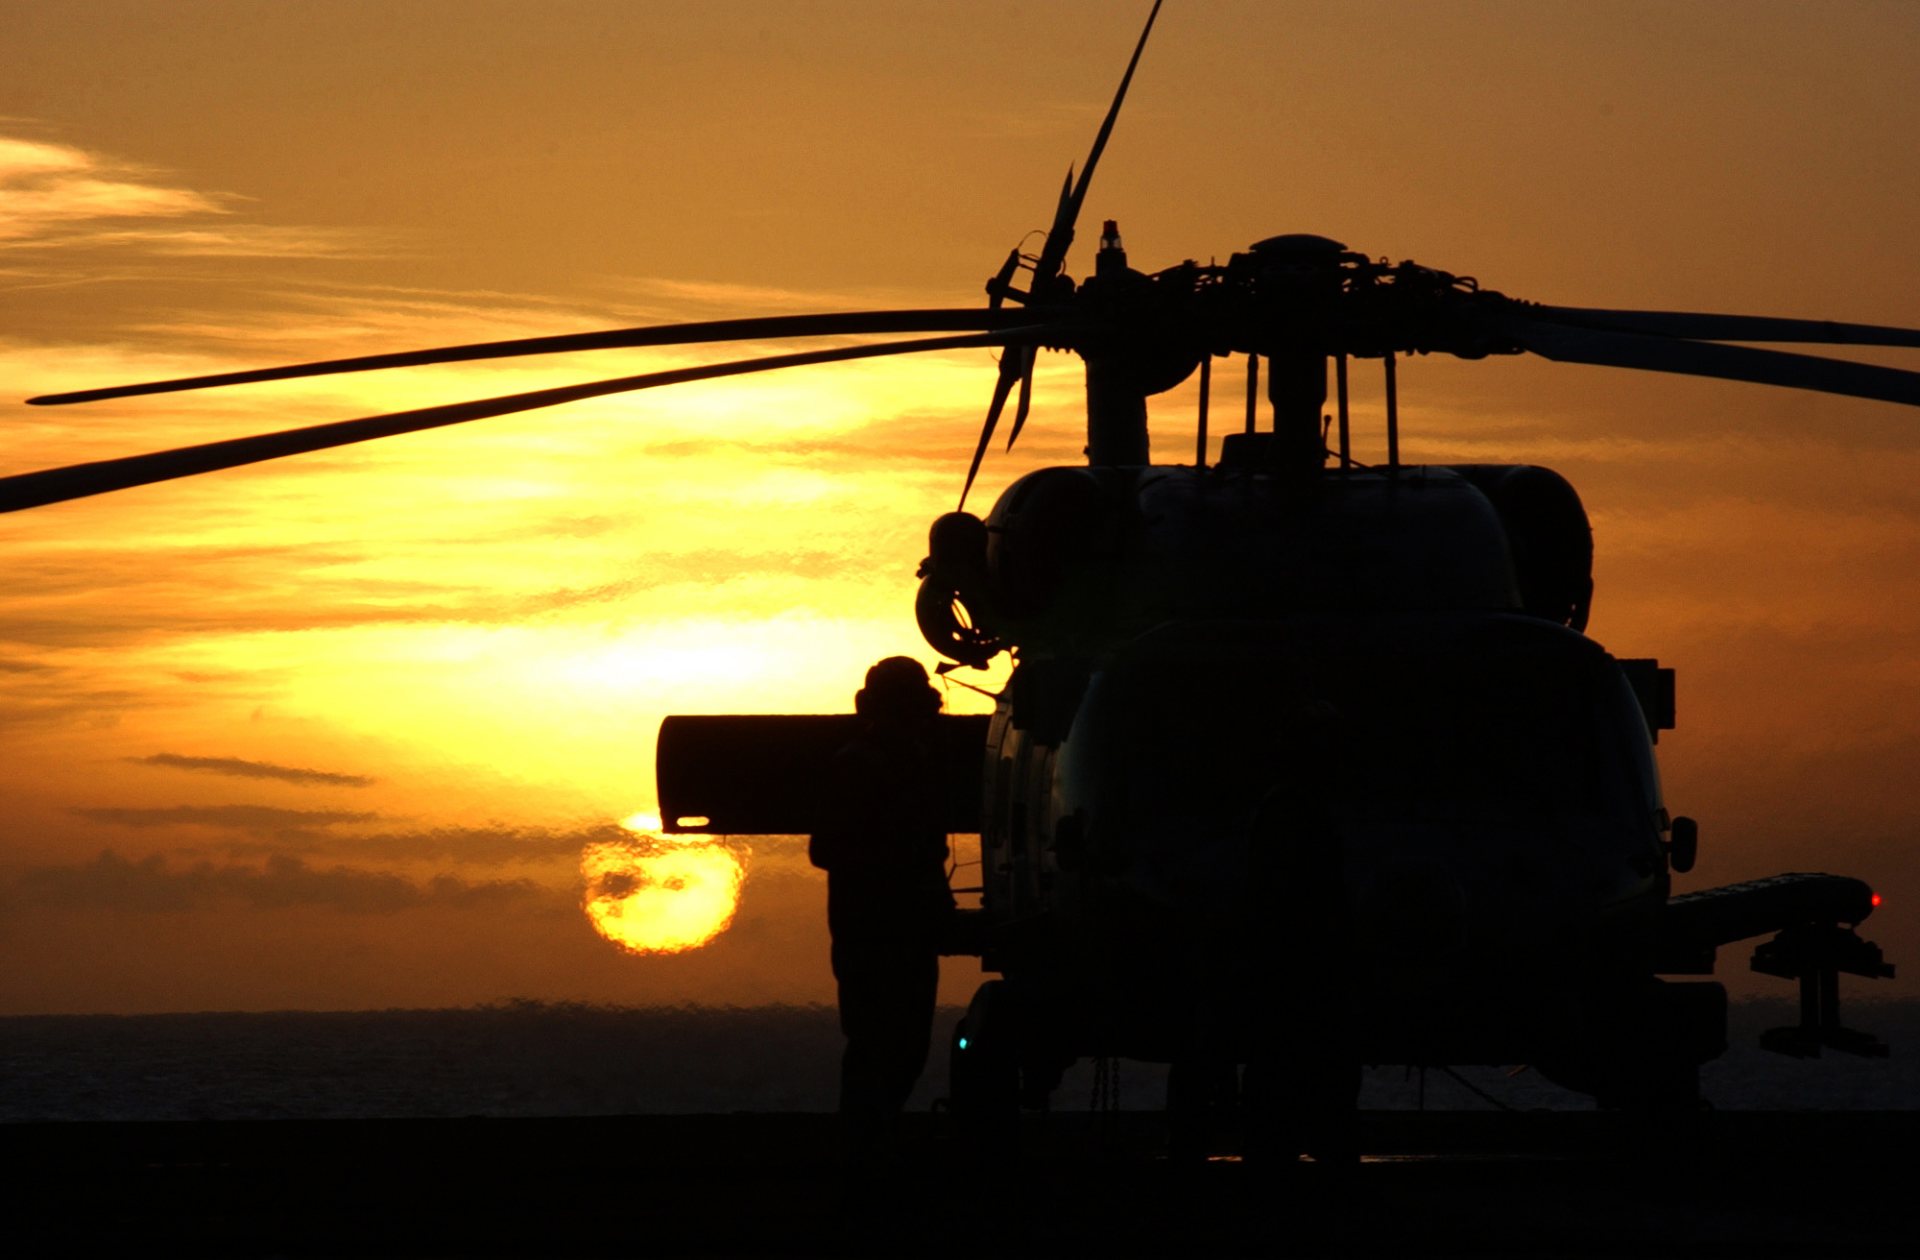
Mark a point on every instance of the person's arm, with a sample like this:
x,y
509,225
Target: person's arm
x,y
839,816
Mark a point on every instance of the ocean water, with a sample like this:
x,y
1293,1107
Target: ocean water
x,y
540,1059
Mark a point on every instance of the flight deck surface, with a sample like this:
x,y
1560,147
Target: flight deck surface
x,y
1436,1183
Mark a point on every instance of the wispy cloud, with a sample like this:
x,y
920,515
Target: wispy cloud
x,y
496,845
111,882
149,602
63,196
233,817
239,240
267,831
44,187
241,769
8,666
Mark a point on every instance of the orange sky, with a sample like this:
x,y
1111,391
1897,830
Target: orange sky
x,y
470,636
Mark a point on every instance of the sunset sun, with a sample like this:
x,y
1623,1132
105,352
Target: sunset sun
x,y
649,894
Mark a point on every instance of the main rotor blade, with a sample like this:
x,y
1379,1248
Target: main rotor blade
x,y
1053,253
1566,344
1025,402
1002,386
1703,327
55,485
835,324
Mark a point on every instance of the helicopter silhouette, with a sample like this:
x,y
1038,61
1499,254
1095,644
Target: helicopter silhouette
x,y
1279,708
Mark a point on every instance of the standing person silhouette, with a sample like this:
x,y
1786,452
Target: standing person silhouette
x,y
882,842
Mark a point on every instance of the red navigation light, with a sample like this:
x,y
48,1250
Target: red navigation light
x,y
1876,901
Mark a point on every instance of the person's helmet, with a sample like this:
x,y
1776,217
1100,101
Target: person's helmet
x,y
897,688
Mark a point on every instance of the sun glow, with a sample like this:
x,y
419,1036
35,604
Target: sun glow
x,y
644,823
651,894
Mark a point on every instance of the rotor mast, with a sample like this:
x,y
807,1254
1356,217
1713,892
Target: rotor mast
x,y
1298,278
1297,388
1142,335
1116,412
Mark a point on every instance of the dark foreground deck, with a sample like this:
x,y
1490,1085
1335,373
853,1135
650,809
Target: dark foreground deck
x,y
1729,1184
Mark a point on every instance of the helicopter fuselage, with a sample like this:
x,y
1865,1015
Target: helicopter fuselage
x,y
1456,815
1261,728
